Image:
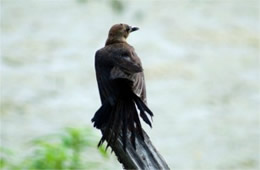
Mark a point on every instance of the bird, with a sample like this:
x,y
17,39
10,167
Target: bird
x,y
122,90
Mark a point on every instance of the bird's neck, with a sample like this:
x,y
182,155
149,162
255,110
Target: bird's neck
x,y
114,40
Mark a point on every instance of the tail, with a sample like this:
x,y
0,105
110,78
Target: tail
x,y
122,115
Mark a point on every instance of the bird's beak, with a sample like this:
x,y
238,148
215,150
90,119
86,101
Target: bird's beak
x,y
134,29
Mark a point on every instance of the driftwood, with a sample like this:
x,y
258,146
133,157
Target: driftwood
x,y
144,157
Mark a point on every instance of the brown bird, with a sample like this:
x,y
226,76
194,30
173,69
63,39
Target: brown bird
x,y
121,86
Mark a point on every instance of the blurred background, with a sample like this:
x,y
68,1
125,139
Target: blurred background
x,y
201,62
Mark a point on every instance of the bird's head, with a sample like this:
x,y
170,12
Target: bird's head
x,y
118,33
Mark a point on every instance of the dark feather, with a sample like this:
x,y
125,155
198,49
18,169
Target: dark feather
x,y
132,128
120,81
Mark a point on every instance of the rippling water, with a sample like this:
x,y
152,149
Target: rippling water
x,y
201,61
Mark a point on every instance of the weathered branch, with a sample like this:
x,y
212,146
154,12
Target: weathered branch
x,y
144,157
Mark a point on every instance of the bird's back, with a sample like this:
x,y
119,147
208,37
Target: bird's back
x,y
110,63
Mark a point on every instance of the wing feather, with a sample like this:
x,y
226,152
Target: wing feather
x,y
117,61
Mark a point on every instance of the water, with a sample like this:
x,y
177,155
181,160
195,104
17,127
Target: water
x,y
201,62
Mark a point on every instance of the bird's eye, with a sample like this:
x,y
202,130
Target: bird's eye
x,y
127,29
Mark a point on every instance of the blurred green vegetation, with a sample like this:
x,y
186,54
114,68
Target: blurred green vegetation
x,y
116,5
71,149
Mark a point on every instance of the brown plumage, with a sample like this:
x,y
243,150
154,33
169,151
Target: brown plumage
x,y
121,86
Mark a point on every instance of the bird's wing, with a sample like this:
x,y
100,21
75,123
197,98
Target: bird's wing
x,y
124,62
139,86
129,60
112,63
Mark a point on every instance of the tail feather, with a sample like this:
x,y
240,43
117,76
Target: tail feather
x,y
132,128
145,118
107,135
138,126
101,116
114,129
124,128
121,117
143,108
117,124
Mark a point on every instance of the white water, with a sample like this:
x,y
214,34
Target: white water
x,y
201,61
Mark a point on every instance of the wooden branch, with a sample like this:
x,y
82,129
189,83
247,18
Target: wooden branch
x,y
144,157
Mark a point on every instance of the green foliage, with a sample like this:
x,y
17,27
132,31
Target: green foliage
x,y
82,1
66,150
49,156
116,5
4,154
